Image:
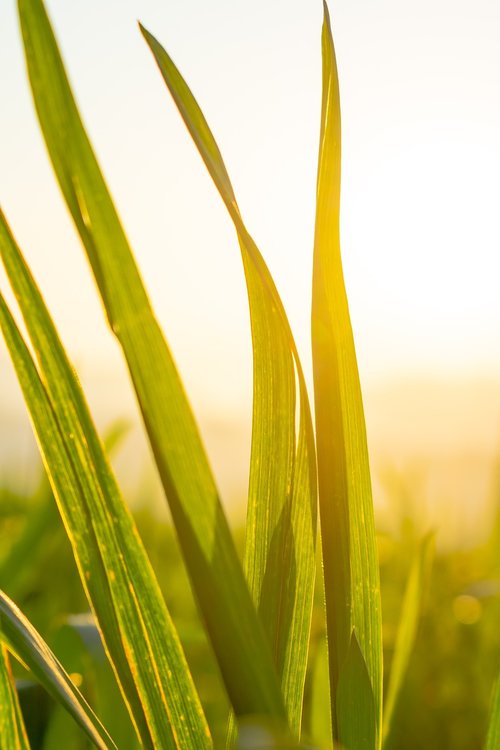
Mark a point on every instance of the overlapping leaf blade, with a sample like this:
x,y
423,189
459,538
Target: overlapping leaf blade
x,y
407,629
216,574
138,634
281,521
346,510
354,701
12,730
19,635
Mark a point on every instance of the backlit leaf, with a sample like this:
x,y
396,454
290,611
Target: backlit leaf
x,y
12,730
347,525
209,553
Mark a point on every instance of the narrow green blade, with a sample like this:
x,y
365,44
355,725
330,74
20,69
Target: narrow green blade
x,y
139,636
493,738
347,526
12,730
209,552
408,624
281,522
20,636
355,705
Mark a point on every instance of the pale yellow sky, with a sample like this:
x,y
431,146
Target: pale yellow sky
x,y
420,85
420,89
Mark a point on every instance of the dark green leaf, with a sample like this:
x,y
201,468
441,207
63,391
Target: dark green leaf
x,y
355,706
24,641
408,624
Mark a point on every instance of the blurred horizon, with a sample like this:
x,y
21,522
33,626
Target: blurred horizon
x,y
434,450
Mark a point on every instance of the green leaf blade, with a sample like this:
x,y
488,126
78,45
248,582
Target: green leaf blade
x,y
208,548
346,508
355,705
12,730
407,629
137,631
17,633
281,519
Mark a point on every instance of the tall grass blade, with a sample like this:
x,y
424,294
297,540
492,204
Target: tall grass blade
x,y
216,574
355,706
347,525
493,738
12,730
407,629
138,634
25,642
281,521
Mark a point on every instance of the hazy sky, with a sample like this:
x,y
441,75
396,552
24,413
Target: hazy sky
x,y
420,89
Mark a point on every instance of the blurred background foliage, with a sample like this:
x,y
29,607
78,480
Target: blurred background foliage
x,y
445,699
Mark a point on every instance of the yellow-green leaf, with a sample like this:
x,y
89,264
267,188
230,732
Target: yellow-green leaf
x,y
320,719
347,525
12,730
216,573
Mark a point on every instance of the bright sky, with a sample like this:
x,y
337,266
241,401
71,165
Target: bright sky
x,y
420,88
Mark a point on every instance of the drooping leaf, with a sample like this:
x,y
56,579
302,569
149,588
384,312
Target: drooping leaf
x,y
12,730
493,738
17,633
281,519
346,509
140,639
209,553
408,624
355,706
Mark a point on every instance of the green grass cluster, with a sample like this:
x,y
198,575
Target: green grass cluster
x,y
257,611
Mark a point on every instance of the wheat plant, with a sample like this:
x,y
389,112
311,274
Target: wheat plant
x,y
257,614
